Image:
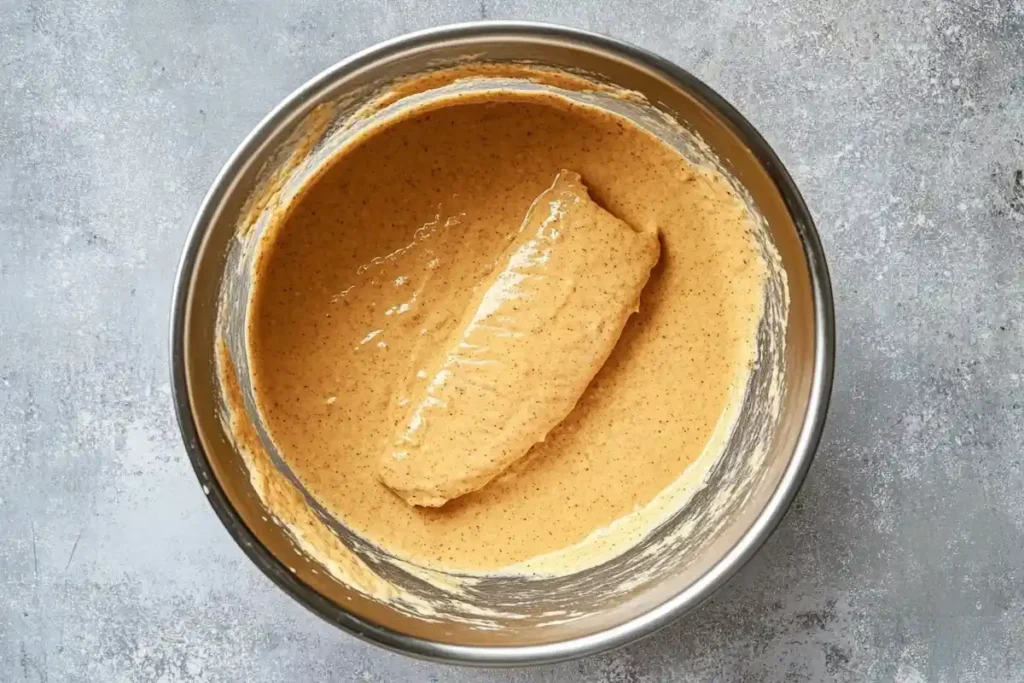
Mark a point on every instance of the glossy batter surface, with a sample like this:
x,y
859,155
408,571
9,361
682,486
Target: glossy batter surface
x,y
534,334
369,274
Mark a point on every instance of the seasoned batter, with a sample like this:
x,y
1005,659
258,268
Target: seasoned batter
x,y
359,290
533,336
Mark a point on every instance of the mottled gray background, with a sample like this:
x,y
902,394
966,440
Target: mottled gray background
x,y
903,123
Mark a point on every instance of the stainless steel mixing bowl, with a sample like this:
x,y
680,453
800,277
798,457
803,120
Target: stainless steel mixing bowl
x,y
730,518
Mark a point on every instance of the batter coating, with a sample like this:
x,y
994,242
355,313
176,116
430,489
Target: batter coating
x,y
359,287
535,333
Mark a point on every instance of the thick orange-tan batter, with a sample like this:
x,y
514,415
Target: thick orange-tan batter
x,y
534,334
370,272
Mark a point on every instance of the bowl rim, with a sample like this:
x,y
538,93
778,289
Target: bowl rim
x,y
641,625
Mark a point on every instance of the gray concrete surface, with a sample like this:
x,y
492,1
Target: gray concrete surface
x,y
903,123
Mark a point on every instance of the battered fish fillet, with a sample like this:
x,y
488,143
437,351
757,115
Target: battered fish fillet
x,y
535,333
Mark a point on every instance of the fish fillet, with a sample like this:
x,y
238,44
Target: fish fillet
x,y
535,333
